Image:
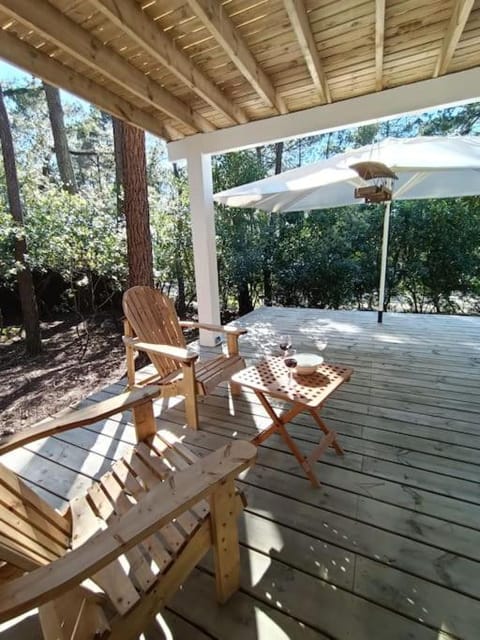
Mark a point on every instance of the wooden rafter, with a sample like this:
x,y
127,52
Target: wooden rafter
x,y
379,42
461,12
34,61
161,59
301,26
129,17
45,19
213,16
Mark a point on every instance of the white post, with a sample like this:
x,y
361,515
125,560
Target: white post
x,y
204,245
383,266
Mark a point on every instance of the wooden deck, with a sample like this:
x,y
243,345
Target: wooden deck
x,y
389,546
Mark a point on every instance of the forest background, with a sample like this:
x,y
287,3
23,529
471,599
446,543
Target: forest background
x,y
82,212
325,259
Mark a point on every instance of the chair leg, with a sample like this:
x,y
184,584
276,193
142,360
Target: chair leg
x,y
144,420
75,614
130,355
190,392
191,411
226,549
235,389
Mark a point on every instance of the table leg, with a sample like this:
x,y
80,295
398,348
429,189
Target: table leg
x,y
303,461
333,441
278,424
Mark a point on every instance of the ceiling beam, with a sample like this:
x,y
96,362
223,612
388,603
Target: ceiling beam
x,y
128,16
213,16
301,26
53,25
55,73
379,42
454,88
461,12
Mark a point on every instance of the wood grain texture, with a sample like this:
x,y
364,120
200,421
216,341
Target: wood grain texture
x,y
390,540
177,68
152,318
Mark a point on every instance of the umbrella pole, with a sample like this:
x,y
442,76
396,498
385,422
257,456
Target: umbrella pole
x,y
383,265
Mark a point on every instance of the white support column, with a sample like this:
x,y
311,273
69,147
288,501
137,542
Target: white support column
x,y
383,266
204,245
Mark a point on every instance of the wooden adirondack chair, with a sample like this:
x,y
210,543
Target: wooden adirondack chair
x,y
152,326
105,567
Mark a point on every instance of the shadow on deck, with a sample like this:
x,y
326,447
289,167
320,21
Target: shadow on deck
x,y
388,546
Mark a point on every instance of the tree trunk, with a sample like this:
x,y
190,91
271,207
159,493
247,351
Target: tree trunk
x,y
278,157
244,299
26,289
60,141
179,240
135,202
117,150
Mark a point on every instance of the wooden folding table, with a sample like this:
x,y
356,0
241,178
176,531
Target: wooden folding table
x,y
269,379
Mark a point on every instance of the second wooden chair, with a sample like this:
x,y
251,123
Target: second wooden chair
x,y
152,326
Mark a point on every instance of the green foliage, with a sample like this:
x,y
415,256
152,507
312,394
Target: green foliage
x,y
326,258
172,237
241,235
437,249
73,234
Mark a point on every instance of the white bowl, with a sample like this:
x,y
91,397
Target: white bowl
x,y
307,363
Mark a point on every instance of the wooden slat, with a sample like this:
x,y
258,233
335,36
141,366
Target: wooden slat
x,y
140,565
99,497
123,473
379,42
29,534
19,491
13,507
150,457
74,615
57,74
460,14
51,23
226,63
78,417
129,18
112,579
300,24
154,320
22,554
214,17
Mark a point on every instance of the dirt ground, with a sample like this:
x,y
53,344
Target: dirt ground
x,y
78,358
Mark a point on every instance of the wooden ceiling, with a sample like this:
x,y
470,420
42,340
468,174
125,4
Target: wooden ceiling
x,y
178,67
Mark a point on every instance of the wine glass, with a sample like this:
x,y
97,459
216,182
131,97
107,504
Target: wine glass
x,y
290,361
285,343
321,344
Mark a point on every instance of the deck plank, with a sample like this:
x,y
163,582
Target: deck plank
x,y
390,540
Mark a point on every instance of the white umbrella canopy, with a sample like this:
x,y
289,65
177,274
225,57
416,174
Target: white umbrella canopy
x,y
426,167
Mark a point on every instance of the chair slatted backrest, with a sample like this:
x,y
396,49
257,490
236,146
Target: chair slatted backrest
x,y
32,533
153,318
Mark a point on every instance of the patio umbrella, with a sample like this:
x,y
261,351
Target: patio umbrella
x,y
426,167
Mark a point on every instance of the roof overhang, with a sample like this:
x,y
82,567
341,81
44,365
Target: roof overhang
x,y
450,90
281,68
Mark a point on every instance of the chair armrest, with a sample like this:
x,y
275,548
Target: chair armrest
x,y
188,324
72,418
175,353
163,503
